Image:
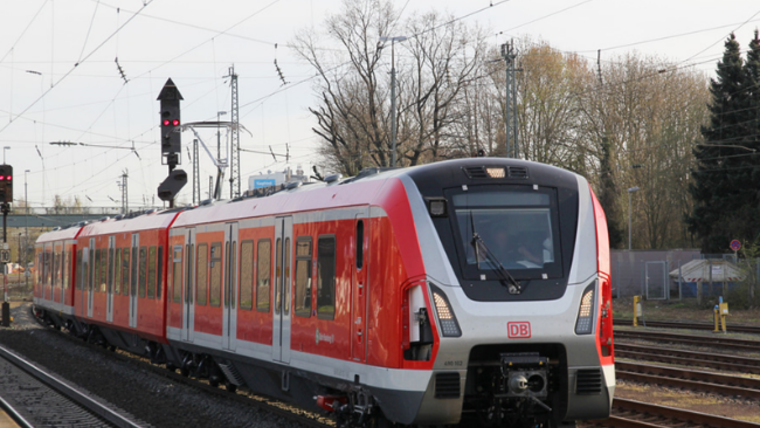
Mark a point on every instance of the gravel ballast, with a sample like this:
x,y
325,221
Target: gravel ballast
x,y
127,385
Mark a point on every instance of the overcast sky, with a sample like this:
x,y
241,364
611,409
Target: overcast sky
x,y
60,82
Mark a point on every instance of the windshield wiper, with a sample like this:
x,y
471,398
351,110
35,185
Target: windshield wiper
x,y
506,279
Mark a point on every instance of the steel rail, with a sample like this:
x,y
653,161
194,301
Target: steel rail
x,y
272,405
710,341
14,414
681,414
68,391
691,379
691,358
734,328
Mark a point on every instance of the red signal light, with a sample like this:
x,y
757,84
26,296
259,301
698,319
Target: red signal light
x,y
166,122
2,177
9,178
175,122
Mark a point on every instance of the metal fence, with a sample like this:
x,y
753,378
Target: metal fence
x,y
661,275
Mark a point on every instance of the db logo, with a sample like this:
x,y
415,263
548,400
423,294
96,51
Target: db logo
x,y
518,330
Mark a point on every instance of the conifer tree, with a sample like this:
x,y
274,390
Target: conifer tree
x,y
717,200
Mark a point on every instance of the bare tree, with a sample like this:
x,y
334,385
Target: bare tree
x,y
350,113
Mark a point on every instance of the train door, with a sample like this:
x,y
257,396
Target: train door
x,y
360,288
283,235
229,325
91,278
109,281
133,276
188,309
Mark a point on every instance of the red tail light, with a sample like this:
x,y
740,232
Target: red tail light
x,y
605,340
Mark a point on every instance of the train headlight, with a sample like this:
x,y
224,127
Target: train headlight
x,y
446,317
585,322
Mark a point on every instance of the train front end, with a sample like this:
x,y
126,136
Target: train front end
x,y
517,261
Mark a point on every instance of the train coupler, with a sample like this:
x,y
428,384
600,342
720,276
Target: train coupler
x,y
524,374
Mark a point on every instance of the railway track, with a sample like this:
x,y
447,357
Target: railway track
x,y
637,414
710,360
696,380
734,328
37,398
717,341
302,417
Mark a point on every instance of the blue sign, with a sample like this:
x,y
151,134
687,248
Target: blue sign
x,y
263,182
735,245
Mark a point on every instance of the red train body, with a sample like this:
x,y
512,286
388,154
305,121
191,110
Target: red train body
x,y
346,291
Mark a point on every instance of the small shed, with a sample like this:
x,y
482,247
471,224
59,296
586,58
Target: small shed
x,y
719,275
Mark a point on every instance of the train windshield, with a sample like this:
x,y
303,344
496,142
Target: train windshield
x,y
511,227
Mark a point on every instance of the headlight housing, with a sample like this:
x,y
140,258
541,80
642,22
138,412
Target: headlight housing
x,y
446,318
584,324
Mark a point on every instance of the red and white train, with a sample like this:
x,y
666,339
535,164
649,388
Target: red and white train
x,y
472,291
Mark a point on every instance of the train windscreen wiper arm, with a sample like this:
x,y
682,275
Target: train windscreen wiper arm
x,y
507,279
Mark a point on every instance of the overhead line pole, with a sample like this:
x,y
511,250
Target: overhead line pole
x,y
509,53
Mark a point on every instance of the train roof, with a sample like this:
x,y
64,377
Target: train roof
x,y
363,189
153,219
60,234
296,198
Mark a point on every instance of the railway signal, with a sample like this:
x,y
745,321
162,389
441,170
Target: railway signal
x,y
172,185
6,183
171,139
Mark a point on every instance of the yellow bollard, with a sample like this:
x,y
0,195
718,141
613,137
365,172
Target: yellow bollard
x,y
720,311
637,312
715,319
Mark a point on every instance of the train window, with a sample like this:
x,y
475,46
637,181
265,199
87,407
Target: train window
x,y
40,268
215,294
177,274
66,267
143,270
74,275
133,272
86,278
189,277
303,277
201,279
278,276
125,271
77,269
160,265
103,269
56,269
117,277
263,275
359,244
110,269
96,278
152,272
233,270
326,277
514,227
286,298
246,275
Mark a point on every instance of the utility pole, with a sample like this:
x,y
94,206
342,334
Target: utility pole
x,y
393,41
196,174
234,136
509,53
124,192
